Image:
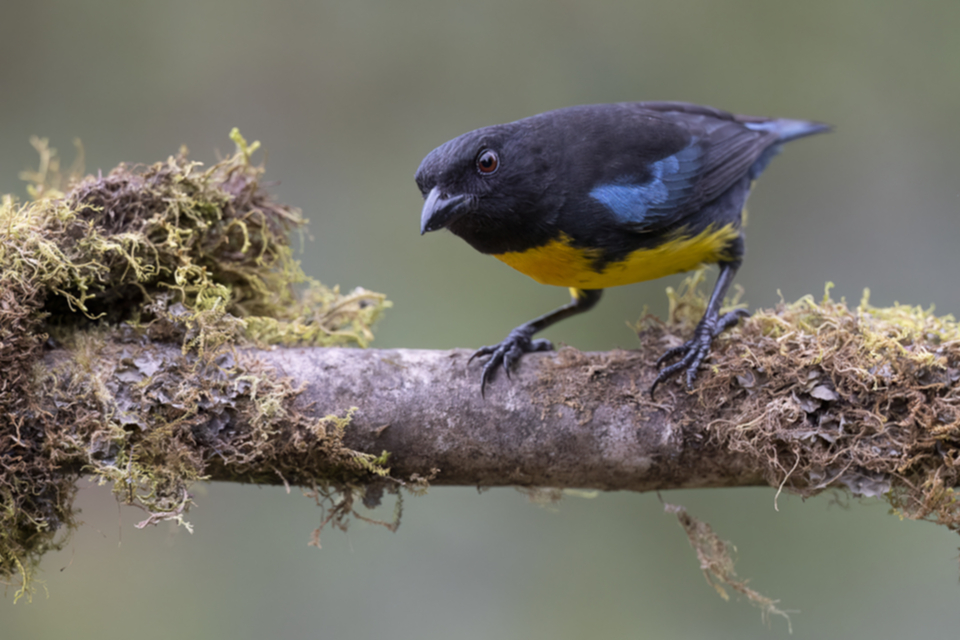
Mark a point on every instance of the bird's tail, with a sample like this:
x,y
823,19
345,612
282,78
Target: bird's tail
x,y
785,129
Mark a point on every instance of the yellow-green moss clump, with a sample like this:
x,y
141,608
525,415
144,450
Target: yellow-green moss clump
x,y
821,396
148,255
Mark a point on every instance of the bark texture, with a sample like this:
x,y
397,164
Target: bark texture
x,y
564,420
561,420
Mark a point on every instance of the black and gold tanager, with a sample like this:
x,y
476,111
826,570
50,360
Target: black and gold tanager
x,y
598,196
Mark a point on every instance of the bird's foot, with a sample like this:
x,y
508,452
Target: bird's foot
x,y
508,353
695,350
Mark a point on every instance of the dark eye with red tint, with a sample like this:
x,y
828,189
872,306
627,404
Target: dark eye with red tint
x,y
487,161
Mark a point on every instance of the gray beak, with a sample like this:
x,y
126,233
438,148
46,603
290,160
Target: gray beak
x,y
440,210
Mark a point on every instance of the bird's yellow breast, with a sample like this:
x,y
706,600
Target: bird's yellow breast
x,y
560,263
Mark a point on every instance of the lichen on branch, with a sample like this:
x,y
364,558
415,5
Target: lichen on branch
x,y
175,253
821,396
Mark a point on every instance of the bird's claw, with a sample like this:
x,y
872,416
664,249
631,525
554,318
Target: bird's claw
x,y
508,353
695,350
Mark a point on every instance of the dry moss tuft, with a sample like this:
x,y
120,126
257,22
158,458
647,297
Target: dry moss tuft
x,y
820,396
180,246
167,253
716,562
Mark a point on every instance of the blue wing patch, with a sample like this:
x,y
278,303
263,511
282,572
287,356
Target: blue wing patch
x,y
649,203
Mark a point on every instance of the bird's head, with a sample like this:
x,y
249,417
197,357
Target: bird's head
x,y
484,180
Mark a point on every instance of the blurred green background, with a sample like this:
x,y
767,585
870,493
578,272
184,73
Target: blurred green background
x,y
347,97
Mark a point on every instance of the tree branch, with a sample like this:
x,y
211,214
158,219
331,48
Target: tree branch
x,y
561,420
804,397
537,428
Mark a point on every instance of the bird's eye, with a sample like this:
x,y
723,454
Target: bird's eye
x,y
487,161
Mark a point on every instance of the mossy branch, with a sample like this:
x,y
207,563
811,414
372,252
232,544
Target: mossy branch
x,y
545,427
170,253
769,411
802,397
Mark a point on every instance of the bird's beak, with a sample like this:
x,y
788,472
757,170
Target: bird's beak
x,y
440,210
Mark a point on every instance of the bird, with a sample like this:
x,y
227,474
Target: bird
x,y
596,196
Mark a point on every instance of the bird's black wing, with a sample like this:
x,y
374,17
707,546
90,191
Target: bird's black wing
x,y
719,151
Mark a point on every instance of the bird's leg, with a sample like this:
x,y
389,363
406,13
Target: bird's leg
x,y
520,340
694,350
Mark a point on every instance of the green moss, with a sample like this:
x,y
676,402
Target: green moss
x,y
171,253
822,396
